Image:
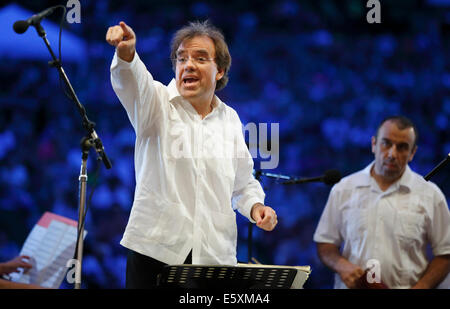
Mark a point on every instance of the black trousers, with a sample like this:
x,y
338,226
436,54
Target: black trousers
x,y
143,271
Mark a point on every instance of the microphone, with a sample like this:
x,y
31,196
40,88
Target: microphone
x,y
101,150
21,26
330,178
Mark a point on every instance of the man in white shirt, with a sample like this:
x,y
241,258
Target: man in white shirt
x,y
383,217
192,166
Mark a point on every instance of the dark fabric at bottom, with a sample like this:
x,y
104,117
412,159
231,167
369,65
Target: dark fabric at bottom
x,y
142,271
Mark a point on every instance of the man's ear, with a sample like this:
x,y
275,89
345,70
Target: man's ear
x,y
374,143
411,157
220,74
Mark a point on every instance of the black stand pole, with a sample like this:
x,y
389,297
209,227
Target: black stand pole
x,y
258,175
437,168
92,140
87,124
250,228
330,177
86,144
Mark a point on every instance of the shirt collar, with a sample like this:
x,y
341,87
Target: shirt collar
x,y
404,183
175,96
173,91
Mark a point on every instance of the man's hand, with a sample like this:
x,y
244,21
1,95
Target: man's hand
x,y
14,265
350,274
329,255
265,217
124,39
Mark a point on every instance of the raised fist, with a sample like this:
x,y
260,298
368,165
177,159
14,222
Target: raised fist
x,y
124,39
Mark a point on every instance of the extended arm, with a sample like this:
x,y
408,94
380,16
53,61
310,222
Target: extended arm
x,y
133,84
124,39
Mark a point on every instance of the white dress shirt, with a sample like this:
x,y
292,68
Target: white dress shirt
x,y
393,227
191,173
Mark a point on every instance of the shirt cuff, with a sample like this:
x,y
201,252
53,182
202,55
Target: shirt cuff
x,y
120,63
247,208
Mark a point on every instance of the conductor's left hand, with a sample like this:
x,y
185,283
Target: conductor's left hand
x,y
265,217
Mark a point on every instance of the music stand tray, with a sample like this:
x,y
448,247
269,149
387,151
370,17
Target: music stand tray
x,y
242,276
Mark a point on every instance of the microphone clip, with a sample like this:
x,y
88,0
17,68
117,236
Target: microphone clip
x,y
55,63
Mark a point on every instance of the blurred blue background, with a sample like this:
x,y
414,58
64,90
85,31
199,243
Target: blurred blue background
x,y
315,67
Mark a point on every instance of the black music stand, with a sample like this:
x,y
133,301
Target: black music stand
x,y
226,277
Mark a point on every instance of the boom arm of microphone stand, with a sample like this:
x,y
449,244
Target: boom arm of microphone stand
x,y
87,124
259,173
437,168
300,180
276,176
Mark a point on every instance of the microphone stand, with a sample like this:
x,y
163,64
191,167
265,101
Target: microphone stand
x,y
90,140
328,178
437,168
86,144
258,175
250,227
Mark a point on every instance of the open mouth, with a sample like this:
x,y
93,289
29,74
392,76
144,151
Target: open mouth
x,y
190,80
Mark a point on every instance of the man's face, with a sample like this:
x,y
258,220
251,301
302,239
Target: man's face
x,y
393,149
197,76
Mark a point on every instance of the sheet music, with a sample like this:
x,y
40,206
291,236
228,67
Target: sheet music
x,y
50,245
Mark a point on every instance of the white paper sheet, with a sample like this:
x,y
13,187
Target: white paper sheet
x,y
50,245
